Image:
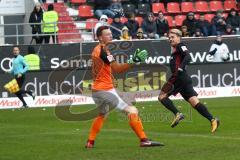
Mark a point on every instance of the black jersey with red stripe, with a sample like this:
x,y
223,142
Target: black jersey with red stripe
x,y
180,58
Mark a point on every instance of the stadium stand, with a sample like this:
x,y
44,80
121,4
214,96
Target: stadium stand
x,y
215,5
173,7
229,5
209,17
129,8
85,11
90,23
143,9
123,19
139,20
187,7
175,12
201,6
170,20
78,1
156,7
179,19
67,28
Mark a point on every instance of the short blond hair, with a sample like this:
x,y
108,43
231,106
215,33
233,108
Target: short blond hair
x,y
176,31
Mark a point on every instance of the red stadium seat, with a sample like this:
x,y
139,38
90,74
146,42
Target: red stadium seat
x,y
196,16
170,20
85,11
90,23
201,6
229,5
156,7
139,20
123,19
215,5
69,36
209,17
78,1
66,26
179,19
65,19
187,7
110,20
225,15
173,7
63,13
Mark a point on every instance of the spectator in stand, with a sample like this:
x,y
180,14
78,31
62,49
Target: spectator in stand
x,y
191,23
162,25
219,50
140,34
103,21
50,20
198,33
116,7
218,23
36,17
125,34
116,25
229,30
233,19
185,32
149,27
132,25
102,7
204,25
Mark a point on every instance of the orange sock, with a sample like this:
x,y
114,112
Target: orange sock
x,y
136,124
96,126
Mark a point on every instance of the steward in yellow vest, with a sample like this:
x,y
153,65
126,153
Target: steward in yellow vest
x,y
50,20
32,59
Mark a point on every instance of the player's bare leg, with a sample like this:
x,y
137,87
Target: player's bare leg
x,y
202,109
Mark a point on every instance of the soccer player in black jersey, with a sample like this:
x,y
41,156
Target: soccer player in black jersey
x,y
181,82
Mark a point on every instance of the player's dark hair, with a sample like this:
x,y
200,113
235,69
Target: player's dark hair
x,y
31,49
100,29
160,11
16,46
50,7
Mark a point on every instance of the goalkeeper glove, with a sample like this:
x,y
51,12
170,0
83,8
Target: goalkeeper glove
x,y
138,56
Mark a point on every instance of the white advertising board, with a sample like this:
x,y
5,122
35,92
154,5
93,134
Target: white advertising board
x,y
54,100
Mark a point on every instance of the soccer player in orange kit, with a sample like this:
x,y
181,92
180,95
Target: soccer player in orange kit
x,y
103,92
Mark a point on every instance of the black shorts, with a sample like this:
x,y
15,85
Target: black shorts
x,y
20,80
181,83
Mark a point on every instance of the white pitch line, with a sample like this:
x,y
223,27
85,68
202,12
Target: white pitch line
x,y
179,134
128,131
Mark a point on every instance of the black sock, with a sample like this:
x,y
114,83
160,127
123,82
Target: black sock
x,y
202,109
19,95
169,105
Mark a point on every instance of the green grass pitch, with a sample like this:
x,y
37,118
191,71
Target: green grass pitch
x,y
37,134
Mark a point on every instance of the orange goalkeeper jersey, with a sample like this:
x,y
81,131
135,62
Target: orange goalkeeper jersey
x,y
101,69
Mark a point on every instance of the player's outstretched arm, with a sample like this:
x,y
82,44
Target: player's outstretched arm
x,y
120,67
138,57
